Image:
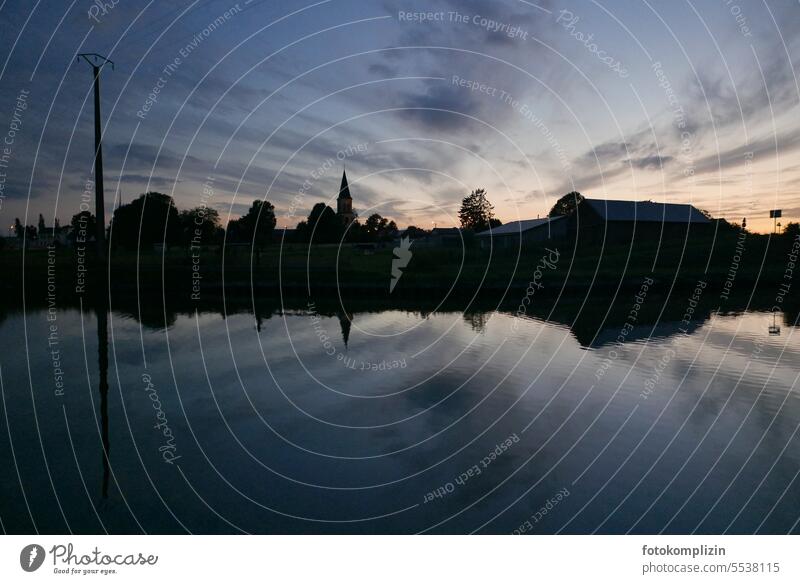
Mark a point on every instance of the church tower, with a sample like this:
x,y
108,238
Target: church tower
x,y
344,203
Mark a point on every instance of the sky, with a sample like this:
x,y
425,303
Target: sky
x,y
220,103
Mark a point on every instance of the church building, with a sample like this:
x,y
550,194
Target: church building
x,y
344,203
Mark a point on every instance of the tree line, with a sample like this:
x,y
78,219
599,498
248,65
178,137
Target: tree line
x,y
152,219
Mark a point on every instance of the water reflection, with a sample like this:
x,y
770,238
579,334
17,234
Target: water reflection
x,y
406,401
101,314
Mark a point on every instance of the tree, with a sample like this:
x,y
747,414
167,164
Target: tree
x,y
476,211
256,226
84,227
42,227
150,219
354,232
792,230
567,204
322,226
377,228
414,232
200,226
19,230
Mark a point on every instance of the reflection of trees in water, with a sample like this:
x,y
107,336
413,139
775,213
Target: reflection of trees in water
x,y
261,314
587,318
791,316
477,320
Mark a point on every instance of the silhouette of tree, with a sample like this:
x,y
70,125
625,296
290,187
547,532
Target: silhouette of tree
x,y
377,228
200,225
792,230
414,232
567,204
19,230
354,233
84,226
322,226
476,211
256,226
42,227
150,219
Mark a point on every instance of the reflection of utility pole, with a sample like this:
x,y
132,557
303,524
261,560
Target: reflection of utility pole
x,y
97,62
102,362
774,329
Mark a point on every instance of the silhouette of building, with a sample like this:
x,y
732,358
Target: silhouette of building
x,y
441,237
512,235
344,203
599,219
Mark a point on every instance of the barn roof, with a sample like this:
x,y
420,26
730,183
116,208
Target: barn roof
x,y
517,227
646,211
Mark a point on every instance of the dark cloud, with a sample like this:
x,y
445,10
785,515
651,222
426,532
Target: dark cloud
x,y
438,108
382,70
142,179
772,146
649,162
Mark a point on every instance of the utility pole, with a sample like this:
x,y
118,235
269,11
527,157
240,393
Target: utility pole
x,y
97,62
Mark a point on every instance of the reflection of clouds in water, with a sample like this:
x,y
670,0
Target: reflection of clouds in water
x,y
426,435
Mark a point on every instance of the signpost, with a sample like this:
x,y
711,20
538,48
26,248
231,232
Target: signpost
x,y
776,214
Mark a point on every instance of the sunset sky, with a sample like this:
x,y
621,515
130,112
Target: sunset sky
x,y
681,101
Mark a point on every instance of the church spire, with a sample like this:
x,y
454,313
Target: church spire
x,y
344,202
344,189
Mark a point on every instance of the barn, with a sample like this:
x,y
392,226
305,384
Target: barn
x,y
510,235
600,219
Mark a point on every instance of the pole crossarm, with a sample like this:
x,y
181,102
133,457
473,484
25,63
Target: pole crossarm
x,y
96,60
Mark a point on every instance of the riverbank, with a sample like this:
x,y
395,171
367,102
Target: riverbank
x,y
728,263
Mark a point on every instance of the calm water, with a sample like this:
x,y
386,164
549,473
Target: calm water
x,y
438,422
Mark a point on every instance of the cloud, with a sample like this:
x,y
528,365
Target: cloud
x,y
438,108
766,147
143,179
654,162
382,70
